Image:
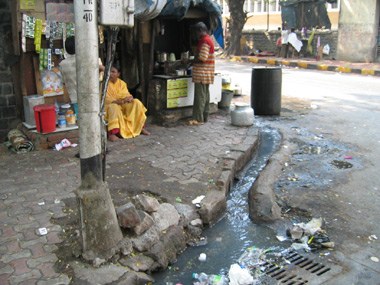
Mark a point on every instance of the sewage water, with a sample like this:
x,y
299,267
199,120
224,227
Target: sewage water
x,y
231,236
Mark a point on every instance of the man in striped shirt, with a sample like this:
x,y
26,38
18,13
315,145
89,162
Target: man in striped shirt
x,y
203,74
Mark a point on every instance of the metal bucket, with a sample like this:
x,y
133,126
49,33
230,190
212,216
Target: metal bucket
x,y
226,98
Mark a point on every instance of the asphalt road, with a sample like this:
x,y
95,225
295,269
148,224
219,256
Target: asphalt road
x,y
336,117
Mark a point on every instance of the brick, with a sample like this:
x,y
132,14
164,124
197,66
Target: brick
x,y
56,137
30,234
5,269
3,98
61,279
4,278
43,140
42,146
11,100
8,231
26,277
30,243
20,266
35,262
22,254
29,282
53,238
5,77
49,248
16,200
37,250
13,246
4,125
9,112
47,270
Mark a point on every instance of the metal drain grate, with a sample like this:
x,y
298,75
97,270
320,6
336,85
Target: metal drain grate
x,y
297,269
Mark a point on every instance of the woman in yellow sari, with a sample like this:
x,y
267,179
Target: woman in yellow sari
x,y
125,115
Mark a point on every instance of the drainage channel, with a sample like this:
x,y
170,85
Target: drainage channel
x,y
226,241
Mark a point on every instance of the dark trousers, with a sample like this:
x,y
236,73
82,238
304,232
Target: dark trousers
x,y
284,50
201,106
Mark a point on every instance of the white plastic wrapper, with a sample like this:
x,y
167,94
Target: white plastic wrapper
x,y
63,144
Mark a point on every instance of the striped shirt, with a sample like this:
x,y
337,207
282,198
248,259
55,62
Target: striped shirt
x,y
204,72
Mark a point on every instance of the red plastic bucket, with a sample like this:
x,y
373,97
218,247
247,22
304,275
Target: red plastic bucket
x,y
45,118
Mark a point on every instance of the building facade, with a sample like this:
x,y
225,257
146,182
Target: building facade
x,y
264,15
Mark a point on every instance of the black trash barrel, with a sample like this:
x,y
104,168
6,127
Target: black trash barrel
x,y
266,90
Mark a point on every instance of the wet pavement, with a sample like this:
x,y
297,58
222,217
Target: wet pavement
x,y
34,186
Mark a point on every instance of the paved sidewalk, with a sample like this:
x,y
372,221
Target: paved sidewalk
x,y
310,63
175,162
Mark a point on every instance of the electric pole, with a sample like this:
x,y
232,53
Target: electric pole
x,y
100,231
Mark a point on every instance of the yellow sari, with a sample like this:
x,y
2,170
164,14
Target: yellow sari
x,y
129,118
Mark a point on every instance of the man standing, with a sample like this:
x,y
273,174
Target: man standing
x,y
284,41
69,72
203,74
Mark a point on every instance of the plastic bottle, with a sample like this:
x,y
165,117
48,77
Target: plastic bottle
x,y
61,120
210,279
70,117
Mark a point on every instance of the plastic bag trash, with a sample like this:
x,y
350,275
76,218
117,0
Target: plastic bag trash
x,y
302,229
251,257
314,226
326,49
239,276
281,238
63,144
198,199
296,232
299,246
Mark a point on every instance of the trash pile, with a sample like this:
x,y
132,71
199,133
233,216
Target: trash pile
x,y
253,264
309,236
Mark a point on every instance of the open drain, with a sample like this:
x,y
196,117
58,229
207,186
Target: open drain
x,y
296,269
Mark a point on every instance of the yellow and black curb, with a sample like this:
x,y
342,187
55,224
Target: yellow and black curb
x,y
307,65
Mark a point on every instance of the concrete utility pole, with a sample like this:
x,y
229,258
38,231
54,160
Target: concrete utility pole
x,y
100,230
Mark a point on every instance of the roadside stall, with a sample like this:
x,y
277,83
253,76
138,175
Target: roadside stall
x,y
149,54
168,39
40,28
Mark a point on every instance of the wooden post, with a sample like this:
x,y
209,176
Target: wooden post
x,y
141,62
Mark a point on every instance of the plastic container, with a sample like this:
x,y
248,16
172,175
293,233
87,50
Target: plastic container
x,y
70,118
61,120
65,108
45,118
266,90
210,279
242,115
29,102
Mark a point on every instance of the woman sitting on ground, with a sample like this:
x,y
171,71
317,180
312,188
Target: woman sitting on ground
x,y
125,115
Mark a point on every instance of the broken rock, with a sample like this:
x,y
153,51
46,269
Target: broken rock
x,y
146,203
146,223
166,216
128,216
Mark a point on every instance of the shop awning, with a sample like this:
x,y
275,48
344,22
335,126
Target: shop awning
x,y
150,9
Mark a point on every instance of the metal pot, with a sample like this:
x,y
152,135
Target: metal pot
x,y
180,72
185,55
237,90
163,57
